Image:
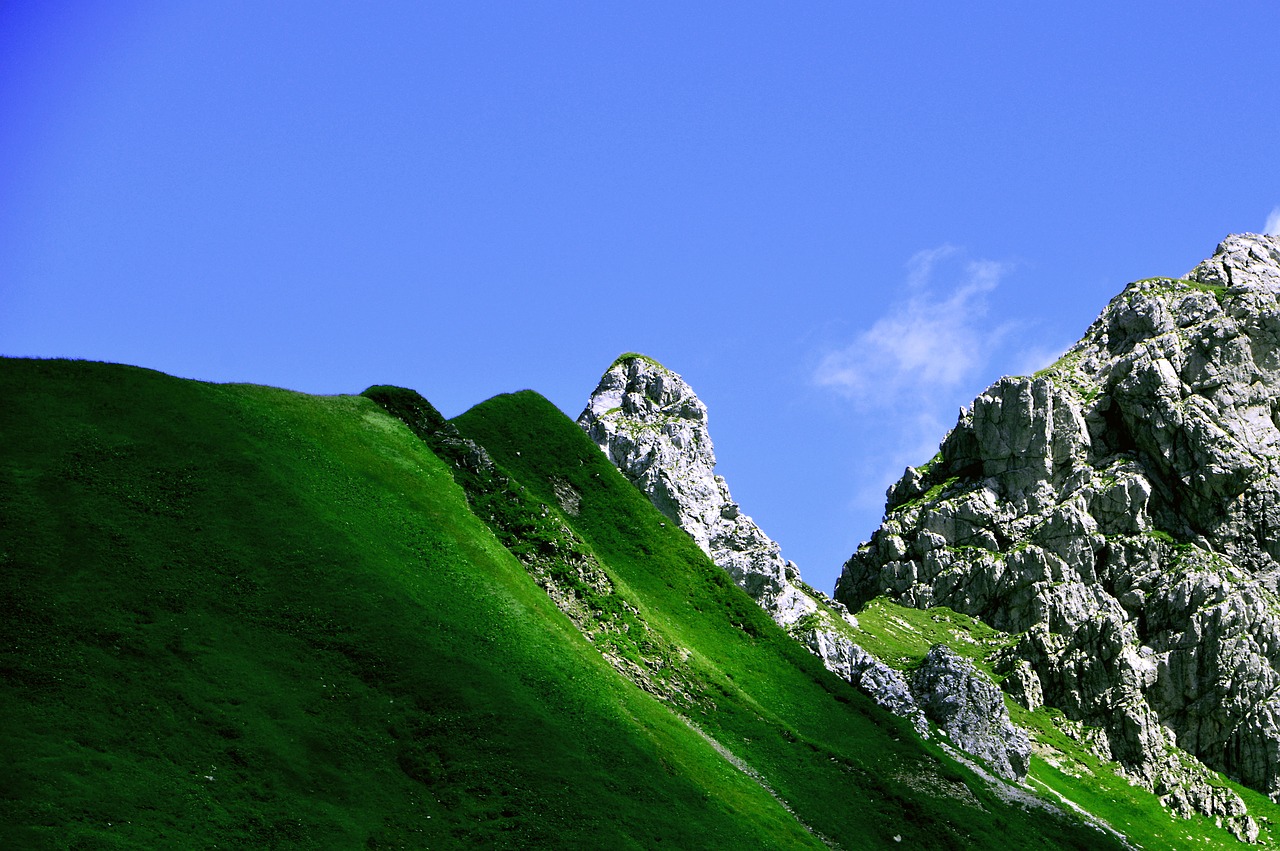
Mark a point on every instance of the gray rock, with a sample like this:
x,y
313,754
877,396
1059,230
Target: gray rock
x,y
885,685
1120,511
970,709
1023,685
653,427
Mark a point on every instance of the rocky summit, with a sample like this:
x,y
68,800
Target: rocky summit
x,y
653,427
1119,512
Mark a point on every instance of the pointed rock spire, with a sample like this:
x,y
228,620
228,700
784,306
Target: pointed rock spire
x,y
653,427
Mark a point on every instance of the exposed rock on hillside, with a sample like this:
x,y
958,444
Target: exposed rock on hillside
x,y
1120,510
653,427
970,709
874,678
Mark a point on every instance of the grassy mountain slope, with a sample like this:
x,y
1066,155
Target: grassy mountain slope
x,y
1061,761
242,617
849,770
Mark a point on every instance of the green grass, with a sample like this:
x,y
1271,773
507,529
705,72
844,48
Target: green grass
x,y
558,560
935,492
242,617
854,773
630,356
1218,291
901,636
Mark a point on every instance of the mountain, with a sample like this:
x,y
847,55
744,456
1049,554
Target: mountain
x,y
1116,516
237,616
653,427
934,666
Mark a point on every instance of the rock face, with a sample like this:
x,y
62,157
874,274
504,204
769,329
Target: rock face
x,y
874,678
1121,512
653,428
970,710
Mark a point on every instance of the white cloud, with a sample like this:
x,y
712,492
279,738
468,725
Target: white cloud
x,y
907,373
931,342
921,265
1273,223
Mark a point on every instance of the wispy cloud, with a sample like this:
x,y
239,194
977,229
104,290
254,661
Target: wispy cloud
x,y
1273,223
907,374
932,340
918,434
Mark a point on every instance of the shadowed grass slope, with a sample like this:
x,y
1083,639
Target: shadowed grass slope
x,y
241,617
849,770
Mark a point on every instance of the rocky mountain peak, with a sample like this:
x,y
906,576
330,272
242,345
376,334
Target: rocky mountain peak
x,y
1245,261
1119,511
653,427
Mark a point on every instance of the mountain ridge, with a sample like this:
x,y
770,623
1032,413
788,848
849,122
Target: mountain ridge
x,y
247,617
1115,511
507,629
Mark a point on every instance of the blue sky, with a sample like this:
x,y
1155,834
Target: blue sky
x,y
839,222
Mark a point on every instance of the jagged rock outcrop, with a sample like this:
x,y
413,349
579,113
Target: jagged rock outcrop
x,y
1120,512
970,709
885,685
652,426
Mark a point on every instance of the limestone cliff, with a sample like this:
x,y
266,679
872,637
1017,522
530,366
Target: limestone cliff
x,y
653,427
1121,512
